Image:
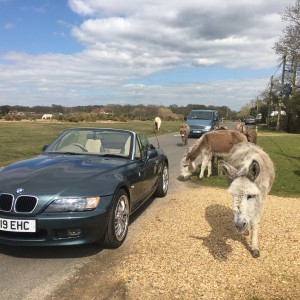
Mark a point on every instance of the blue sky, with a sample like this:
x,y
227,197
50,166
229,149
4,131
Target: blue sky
x,y
96,52
35,27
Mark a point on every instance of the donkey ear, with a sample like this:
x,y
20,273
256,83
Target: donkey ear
x,y
254,170
229,170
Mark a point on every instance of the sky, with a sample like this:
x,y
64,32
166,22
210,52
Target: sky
x,y
100,52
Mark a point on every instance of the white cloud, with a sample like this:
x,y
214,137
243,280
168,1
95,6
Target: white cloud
x,y
124,41
189,31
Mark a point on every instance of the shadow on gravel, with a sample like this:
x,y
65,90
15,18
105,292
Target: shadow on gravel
x,y
220,219
51,252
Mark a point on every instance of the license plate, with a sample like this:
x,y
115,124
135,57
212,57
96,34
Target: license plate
x,y
197,131
17,225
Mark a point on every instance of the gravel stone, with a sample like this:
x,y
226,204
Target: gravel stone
x,y
184,246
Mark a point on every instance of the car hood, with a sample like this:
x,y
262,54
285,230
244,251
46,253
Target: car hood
x,y
199,122
63,175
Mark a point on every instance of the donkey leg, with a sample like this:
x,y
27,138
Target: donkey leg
x,y
220,170
204,164
254,237
209,168
185,140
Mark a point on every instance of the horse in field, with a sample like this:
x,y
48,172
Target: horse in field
x,y
47,117
214,143
157,123
251,174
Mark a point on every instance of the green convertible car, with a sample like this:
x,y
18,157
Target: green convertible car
x,y
81,189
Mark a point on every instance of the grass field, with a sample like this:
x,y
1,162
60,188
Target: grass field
x,y
20,140
284,150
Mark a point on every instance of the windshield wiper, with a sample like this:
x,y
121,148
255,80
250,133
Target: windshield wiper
x,y
66,153
112,155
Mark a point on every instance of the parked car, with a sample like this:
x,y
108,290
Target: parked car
x,y
201,121
250,120
258,118
81,189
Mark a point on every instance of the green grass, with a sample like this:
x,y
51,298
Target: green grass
x,y
284,150
20,140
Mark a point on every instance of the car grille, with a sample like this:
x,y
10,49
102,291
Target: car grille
x,y
6,201
196,127
23,204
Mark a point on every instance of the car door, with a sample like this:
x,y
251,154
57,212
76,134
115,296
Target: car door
x,y
147,168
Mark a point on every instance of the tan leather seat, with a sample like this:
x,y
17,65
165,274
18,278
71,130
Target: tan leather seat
x,y
127,146
93,145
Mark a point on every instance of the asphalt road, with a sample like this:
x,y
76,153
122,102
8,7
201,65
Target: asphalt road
x,y
35,272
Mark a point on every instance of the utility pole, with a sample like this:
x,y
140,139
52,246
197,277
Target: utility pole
x,y
282,94
269,103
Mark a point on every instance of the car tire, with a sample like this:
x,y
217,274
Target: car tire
x,y
163,182
118,222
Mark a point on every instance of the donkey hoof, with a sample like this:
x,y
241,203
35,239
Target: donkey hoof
x,y
183,178
255,253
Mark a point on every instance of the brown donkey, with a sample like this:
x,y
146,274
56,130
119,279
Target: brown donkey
x,y
215,143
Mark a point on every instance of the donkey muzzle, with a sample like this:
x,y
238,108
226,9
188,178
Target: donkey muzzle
x,y
241,226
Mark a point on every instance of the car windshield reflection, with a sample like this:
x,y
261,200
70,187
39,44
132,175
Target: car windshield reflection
x,y
93,142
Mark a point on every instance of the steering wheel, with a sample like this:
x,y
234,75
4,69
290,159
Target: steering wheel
x,y
80,146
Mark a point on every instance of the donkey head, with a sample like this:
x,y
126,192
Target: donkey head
x,y
245,194
187,166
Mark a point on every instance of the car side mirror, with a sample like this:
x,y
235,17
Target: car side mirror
x,y
45,147
185,118
151,153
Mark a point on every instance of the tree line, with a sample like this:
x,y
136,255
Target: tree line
x,y
108,112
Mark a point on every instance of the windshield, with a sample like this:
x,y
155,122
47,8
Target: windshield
x,y
203,115
93,141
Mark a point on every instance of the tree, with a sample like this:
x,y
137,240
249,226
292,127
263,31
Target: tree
x,y
289,43
288,47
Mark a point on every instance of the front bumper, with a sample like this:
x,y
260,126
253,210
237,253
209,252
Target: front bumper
x,y
59,229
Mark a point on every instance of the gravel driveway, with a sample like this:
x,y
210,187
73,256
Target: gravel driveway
x,y
184,246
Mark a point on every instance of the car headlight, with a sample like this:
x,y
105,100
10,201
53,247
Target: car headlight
x,y
73,204
207,128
